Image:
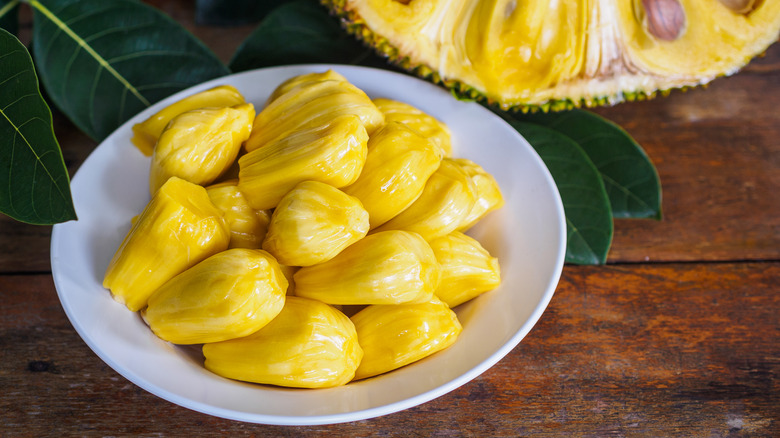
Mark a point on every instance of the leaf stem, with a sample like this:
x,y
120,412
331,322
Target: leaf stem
x,y
5,9
83,44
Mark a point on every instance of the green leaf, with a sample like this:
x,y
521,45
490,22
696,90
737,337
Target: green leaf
x,y
232,12
34,184
300,32
9,16
585,202
630,178
104,61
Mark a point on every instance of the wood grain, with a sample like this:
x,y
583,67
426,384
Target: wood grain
x,y
682,350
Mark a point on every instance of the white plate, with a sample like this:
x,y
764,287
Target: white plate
x,y
528,236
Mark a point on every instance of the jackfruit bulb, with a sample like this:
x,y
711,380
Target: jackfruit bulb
x,y
179,227
308,345
398,163
313,223
333,153
383,268
200,145
229,295
559,54
394,335
146,133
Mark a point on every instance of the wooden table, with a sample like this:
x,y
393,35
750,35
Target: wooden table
x,y
678,335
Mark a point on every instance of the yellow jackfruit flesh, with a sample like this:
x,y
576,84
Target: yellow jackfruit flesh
x,y
467,269
447,199
558,54
146,133
383,268
489,195
333,153
200,145
308,345
308,78
425,124
177,229
229,295
398,163
395,335
247,225
313,223
309,105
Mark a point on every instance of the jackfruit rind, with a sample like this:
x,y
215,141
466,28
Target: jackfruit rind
x,y
384,268
229,295
308,345
146,133
178,228
396,335
555,56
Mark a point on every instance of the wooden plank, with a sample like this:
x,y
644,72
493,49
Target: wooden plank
x,y
630,350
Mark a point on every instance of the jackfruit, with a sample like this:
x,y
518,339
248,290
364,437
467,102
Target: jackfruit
x,y
384,268
200,145
146,133
308,345
247,226
229,295
309,105
556,55
313,223
398,163
467,269
394,335
425,124
178,228
308,78
333,153
445,203
489,195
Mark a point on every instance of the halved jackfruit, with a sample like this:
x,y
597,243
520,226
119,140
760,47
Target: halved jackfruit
x,y
313,223
229,295
333,153
383,268
177,229
200,145
308,345
146,133
394,335
558,54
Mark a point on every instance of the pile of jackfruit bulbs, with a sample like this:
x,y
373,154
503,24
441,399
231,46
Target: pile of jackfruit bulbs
x,y
265,231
